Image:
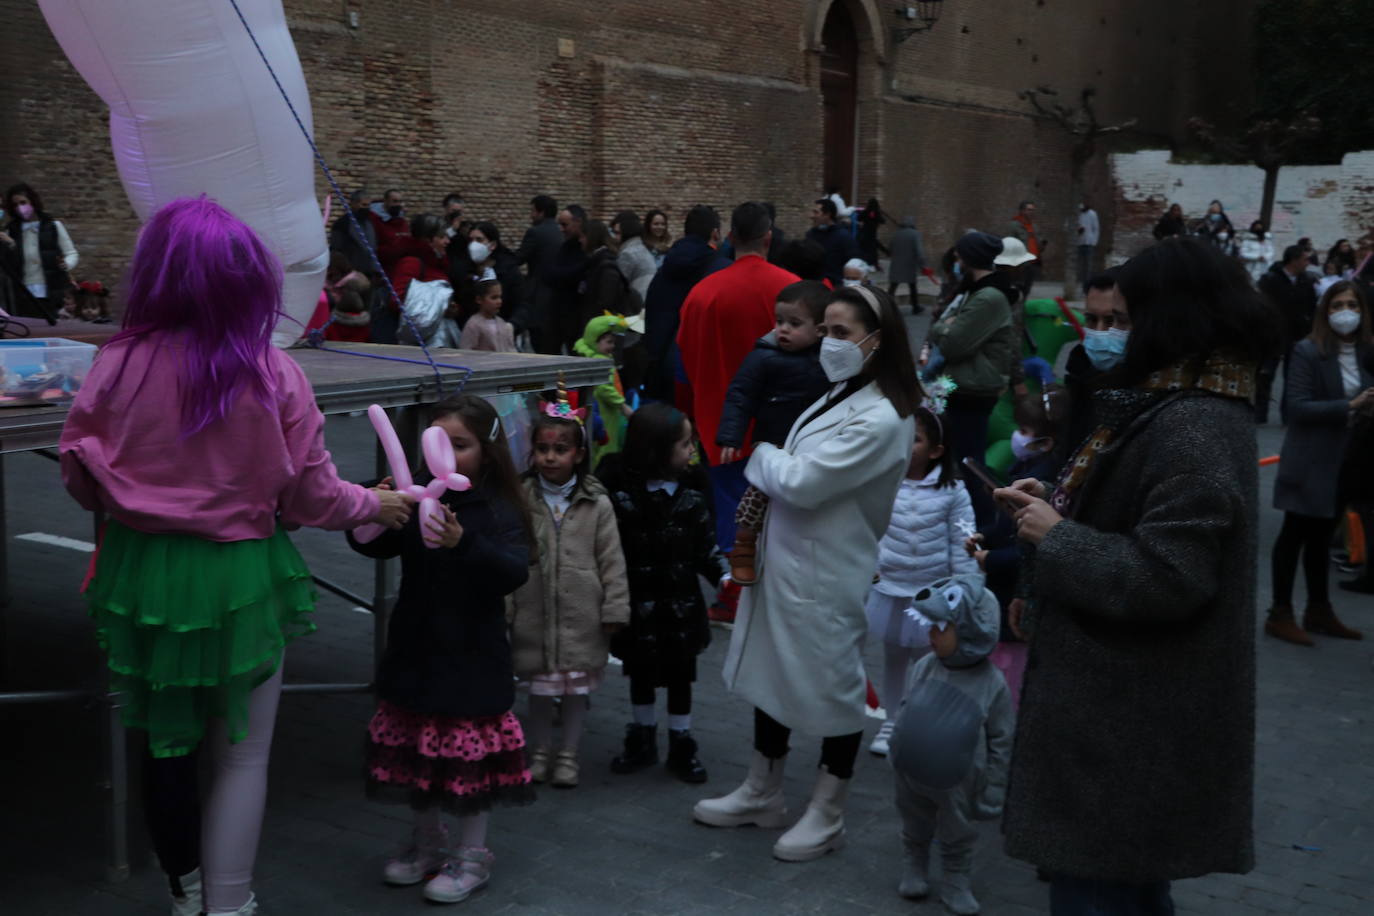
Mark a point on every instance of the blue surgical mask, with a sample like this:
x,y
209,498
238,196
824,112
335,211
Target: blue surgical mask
x,y
1107,348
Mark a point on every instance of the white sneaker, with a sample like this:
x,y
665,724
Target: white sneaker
x,y
467,871
191,901
879,746
422,856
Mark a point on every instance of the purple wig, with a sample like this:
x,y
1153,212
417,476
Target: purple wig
x,y
199,270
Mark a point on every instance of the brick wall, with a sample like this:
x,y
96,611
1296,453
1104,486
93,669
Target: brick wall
x,y
631,104
1323,202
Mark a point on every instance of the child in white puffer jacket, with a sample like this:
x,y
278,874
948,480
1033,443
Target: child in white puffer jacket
x,y
924,542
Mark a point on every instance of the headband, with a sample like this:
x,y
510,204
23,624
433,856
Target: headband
x,y
872,301
561,409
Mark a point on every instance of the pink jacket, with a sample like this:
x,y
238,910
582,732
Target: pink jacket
x,y
122,450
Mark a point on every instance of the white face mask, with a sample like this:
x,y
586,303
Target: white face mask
x,y
1344,322
478,252
843,359
849,282
1022,445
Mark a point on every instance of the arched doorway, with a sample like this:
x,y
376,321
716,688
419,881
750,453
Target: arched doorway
x,y
839,95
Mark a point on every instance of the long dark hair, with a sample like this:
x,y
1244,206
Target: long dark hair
x,y
649,438
498,474
1322,335
891,366
933,429
27,190
1188,301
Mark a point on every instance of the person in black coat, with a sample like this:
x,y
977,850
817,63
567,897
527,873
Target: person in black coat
x,y
1289,287
444,736
692,257
839,245
774,385
542,240
663,509
1171,224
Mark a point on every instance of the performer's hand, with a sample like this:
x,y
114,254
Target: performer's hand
x,y
728,454
393,509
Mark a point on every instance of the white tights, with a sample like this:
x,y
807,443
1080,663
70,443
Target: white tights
x,y
539,726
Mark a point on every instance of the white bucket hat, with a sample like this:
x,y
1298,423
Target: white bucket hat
x,y
1014,253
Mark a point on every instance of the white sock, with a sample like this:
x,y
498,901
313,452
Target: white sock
x,y
680,723
473,829
644,715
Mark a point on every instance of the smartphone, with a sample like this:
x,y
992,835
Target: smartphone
x,y
979,470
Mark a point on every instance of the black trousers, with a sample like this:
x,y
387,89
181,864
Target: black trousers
x,y
838,752
1311,538
679,695
171,806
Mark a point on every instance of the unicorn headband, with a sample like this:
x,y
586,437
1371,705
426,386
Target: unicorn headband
x,y
561,409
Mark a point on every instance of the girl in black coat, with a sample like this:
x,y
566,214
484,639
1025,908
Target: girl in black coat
x,y
444,736
664,514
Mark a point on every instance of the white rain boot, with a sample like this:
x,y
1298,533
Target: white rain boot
x,y
758,800
821,827
191,901
248,909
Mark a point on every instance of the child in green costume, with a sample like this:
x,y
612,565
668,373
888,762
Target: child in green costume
x,y
598,342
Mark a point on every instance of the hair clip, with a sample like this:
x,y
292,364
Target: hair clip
x,y
937,394
495,429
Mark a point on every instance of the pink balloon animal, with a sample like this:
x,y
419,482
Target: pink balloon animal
x,y
438,454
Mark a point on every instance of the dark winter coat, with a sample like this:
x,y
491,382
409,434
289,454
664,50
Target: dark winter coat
x,y
1080,378
687,261
346,240
563,275
541,242
1135,747
606,289
447,652
771,388
839,247
1318,412
1295,299
49,255
669,541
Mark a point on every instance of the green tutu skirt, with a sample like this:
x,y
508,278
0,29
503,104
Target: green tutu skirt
x,y
191,626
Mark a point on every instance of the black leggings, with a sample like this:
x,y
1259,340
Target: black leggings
x,y
171,804
838,752
679,695
1312,538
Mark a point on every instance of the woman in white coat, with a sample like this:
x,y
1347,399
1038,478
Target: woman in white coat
x,y
796,649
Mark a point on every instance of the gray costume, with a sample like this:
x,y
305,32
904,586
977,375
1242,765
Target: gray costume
x,y
952,742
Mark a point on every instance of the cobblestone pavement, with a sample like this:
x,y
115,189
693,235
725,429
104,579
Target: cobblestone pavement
x,y
616,844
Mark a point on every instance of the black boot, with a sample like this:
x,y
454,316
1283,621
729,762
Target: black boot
x,y
641,749
682,757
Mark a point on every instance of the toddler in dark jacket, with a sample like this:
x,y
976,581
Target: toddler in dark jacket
x,y
774,384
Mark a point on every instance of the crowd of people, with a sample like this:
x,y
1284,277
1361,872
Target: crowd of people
x,y
767,425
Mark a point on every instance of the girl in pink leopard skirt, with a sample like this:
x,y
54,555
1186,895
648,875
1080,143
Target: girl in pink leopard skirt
x,y
444,737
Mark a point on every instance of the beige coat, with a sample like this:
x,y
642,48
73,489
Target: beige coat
x,y
576,584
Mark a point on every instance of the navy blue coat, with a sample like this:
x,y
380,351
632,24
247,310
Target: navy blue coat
x,y
690,259
772,388
447,652
839,247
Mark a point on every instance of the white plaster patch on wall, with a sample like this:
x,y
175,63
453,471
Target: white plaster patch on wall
x,y
1325,202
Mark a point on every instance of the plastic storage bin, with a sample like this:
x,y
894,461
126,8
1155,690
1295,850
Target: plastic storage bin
x,y
46,370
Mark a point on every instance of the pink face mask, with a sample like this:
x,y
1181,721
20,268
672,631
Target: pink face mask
x,y
25,211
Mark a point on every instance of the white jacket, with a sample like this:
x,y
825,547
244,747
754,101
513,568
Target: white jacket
x,y
925,539
797,649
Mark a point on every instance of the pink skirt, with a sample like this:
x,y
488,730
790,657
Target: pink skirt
x,y
566,683
462,765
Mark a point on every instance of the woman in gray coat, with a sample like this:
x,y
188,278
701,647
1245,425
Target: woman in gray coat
x,y
1330,382
908,257
1134,758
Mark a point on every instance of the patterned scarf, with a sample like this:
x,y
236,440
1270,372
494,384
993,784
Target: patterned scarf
x,y
1117,407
